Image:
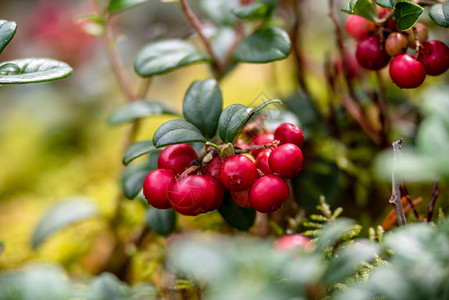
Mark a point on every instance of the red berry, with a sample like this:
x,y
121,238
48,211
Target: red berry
x,y
289,133
358,27
293,241
406,72
213,168
262,161
268,193
176,157
238,172
241,198
155,187
395,44
371,54
195,194
435,57
286,160
262,140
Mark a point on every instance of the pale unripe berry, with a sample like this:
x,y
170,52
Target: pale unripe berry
x,y
396,43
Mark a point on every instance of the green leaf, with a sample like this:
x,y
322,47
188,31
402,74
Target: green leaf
x,y
164,56
439,13
177,132
386,3
265,104
62,215
363,8
232,121
7,32
161,221
266,44
220,11
138,149
132,179
236,216
107,286
202,106
34,70
407,14
137,110
252,11
116,6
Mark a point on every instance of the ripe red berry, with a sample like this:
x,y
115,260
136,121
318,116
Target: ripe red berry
x,y
289,133
262,161
176,157
358,27
241,198
261,140
293,241
268,193
155,187
371,54
195,194
213,168
406,72
238,172
396,43
286,160
435,57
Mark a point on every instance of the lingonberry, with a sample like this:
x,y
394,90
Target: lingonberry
x,y
241,198
406,72
238,172
371,54
155,187
261,140
435,57
396,43
262,161
195,194
213,168
421,34
268,193
176,157
358,27
293,241
286,160
289,133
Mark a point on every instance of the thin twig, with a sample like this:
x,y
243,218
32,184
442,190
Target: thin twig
x,y
404,193
432,201
382,107
391,218
395,199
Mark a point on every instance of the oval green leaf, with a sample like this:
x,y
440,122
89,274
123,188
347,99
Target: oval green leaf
x,y
60,216
386,3
177,132
202,106
266,44
236,216
116,6
7,32
407,14
363,8
161,221
266,103
132,179
439,13
137,110
164,56
232,120
138,149
34,70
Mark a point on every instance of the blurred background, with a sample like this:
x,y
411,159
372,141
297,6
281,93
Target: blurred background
x,y
55,140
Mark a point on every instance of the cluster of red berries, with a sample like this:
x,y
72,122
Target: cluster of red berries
x,y
378,43
191,185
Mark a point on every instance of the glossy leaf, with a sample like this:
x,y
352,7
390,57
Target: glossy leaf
x,y
161,221
177,132
138,149
116,6
132,179
34,70
265,104
363,8
232,121
220,10
164,56
202,106
266,44
137,110
236,216
252,11
62,215
386,3
439,13
7,32
407,14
